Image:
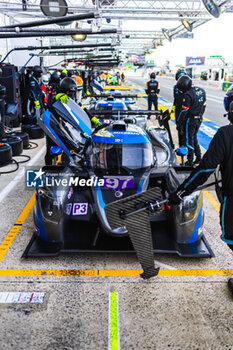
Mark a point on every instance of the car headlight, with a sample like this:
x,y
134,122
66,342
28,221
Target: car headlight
x,y
189,208
50,207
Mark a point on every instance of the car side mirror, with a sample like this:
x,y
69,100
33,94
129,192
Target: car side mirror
x,y
55,150
182,151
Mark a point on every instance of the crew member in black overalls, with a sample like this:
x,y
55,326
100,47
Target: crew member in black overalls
x,y
54,86
2,108
220,152
35,93
177,108
192,110
152,90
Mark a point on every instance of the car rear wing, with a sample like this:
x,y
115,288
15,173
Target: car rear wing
x,y
128,112
106,96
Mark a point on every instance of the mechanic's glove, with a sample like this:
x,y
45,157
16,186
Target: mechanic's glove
x,y
172,111
37,104
62,97
175,198
96,122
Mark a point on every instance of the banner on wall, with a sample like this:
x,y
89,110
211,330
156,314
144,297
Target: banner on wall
x,y
195,60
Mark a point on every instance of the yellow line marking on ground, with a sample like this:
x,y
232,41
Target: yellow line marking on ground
x,y
117,88
114,341
114,273
5,245
211,199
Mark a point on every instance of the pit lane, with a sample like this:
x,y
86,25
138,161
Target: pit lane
x,y
187,306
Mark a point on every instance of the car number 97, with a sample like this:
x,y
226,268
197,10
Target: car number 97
x,y
119,183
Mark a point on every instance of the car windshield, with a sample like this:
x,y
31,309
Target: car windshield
x,y
107,157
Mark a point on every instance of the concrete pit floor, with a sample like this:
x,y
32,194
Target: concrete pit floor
x,y
189,307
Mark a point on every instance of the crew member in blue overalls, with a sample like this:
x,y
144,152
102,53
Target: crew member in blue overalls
x,y
192,110
35,92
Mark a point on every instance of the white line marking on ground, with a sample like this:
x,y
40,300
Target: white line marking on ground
x,y
215,99
164,265
4,193
22,297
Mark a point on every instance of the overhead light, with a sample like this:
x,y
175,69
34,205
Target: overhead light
x,y
166,34
187,25
79,37
212,8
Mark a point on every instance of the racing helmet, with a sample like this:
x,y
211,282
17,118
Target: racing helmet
x,y
63,74
55,77
228,98
230,112
184,83
45,79
70,73
121,152
68,86
37,71
152,76
179,73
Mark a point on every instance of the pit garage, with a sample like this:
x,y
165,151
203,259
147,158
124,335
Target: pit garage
x,y
109,263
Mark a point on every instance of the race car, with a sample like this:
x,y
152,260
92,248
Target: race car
x,y
113,80
114,101
110,194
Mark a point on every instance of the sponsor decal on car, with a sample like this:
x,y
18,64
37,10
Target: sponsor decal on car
x,y
68,208
118,182
70,193
80,208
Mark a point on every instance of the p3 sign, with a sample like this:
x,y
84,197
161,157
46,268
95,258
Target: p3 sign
x,y
80,208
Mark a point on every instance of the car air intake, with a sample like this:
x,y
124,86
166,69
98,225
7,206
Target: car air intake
x,y
119,125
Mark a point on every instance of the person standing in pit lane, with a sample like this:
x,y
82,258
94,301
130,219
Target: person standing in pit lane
x,y
54,86
35,93
190,116
79,82
177,108
152,90
220,152
228,99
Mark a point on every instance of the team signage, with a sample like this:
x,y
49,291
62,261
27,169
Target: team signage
x,y
190,61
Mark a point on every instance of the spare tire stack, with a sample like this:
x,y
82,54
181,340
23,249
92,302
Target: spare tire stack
x,y
15,142
5,154
24,136
34,131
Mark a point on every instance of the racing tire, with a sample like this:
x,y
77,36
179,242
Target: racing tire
x,y
5,153
28,119
24,136
15,142
34,131
16,122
